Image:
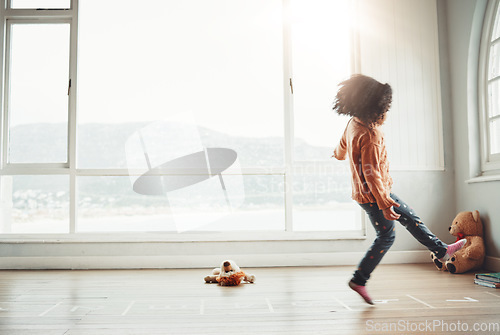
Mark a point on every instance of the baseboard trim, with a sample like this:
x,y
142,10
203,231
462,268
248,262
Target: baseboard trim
x,y
203,261
492,263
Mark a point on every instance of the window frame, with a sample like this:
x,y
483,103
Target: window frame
x,y
9,5
5,152
70,167
41,16
490,163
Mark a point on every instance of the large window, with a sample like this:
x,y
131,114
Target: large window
x,y
489,88
175,116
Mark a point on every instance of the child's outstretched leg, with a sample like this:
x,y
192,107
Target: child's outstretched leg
x,y
385,238
419,230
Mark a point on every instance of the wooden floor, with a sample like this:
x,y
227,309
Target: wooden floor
x,y
414,299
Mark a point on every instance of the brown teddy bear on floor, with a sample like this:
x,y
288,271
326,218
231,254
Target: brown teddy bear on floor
x,y
465,225
229,274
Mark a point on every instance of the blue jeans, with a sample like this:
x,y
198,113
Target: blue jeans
x,y
386,234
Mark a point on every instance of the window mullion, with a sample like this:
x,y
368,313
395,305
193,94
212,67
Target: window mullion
x,y
72,92
5,87
288,113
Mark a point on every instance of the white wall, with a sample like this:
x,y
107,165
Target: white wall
x,y
399,44
464,23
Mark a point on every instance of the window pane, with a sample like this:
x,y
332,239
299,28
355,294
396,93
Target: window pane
x,y
494,98
496,28
219,61
322,200
494,61
321,59
109,204
258,205
495,137
43,4
252,203
34,204
38,100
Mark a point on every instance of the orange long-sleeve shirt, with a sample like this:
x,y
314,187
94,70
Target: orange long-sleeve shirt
x,y
367,153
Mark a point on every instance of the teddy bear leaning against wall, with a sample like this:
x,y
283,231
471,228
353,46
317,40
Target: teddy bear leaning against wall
x,y
465,225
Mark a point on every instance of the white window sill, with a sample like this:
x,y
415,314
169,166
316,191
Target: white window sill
x,y
180,238
483,179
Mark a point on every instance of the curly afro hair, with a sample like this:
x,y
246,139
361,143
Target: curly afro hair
x,y
363,97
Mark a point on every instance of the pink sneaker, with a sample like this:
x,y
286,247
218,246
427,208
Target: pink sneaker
x,y
361,290
453,248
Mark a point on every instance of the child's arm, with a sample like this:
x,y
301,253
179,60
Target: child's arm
x,y
390,214
340,151
374,177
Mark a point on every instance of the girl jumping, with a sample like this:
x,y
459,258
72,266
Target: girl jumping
x,y
367,101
